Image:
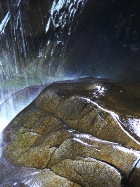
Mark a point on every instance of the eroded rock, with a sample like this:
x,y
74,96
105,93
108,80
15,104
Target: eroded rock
x,y
89,172
27,176
71,134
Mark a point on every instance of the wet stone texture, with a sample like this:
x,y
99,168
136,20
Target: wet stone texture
x,y
75,133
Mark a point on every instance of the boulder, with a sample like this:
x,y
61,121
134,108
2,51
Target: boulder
x,y
25,176
77,132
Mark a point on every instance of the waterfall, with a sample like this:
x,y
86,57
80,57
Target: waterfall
x,y
31,56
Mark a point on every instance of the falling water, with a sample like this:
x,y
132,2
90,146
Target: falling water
x,y
20,67
4,23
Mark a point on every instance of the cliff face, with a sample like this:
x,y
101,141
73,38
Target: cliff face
x,y
75,133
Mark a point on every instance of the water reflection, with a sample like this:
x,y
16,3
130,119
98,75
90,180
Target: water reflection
x,y
133,125
135,122
99,91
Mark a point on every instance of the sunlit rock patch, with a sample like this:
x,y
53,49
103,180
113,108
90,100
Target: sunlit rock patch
x,y
74,134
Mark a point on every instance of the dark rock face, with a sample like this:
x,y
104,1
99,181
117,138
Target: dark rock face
x,y
134,177
75,133
108,33
89,37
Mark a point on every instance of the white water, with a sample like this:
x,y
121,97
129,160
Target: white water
x,y
12,106
62,13
64,19
4,23
3,123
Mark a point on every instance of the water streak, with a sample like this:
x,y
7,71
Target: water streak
x,y
4,23
63,15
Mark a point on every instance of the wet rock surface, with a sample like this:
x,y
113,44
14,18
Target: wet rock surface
x,y
75,133
86,37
